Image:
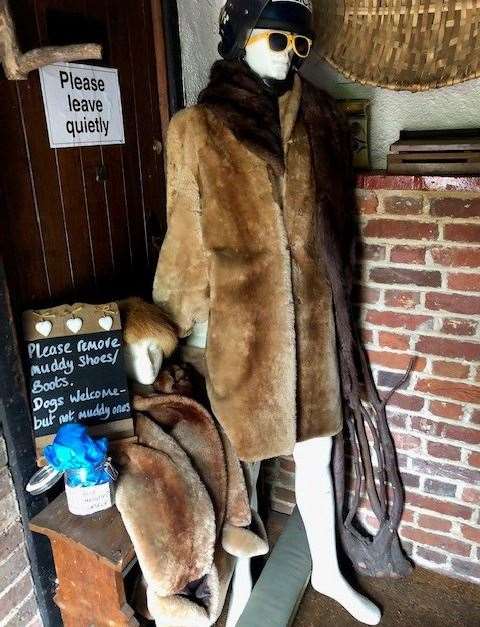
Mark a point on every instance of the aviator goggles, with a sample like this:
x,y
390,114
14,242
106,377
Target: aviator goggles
x,y
280,41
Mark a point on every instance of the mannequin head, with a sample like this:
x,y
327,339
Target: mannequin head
x,y
242,22
264,61
148,337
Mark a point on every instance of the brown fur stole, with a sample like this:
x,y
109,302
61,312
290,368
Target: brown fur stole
x,y
237,95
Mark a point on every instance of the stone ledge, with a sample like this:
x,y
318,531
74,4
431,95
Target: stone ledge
x,y
383,180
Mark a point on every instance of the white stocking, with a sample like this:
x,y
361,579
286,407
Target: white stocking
x,y
241,588
315,500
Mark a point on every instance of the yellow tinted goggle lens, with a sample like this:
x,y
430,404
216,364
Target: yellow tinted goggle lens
x,y
301,45
279,42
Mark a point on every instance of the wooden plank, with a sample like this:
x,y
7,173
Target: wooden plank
x,y
435,157
45,181
77,227
102,600
20,236
70,185
114,159
102,533
144,128
120,28
158,101
160,65
444,169
94,188
434,145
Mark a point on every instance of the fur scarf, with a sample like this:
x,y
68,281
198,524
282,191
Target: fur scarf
x,y
183,498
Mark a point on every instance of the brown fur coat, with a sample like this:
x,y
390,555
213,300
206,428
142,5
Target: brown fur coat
x,y
247,179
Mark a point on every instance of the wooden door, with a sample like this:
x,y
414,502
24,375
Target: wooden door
x,y
77,224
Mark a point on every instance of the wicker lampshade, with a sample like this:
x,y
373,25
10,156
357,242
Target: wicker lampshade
x,y
401,44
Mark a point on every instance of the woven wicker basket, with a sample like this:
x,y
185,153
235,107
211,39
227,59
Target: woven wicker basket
x,y
401,44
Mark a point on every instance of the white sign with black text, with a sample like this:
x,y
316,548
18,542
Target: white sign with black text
x,y
82,105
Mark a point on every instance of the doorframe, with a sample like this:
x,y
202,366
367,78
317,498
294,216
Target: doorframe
x,y
17,429
168,60
15,415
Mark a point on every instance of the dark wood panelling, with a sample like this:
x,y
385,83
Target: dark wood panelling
x,y
66,234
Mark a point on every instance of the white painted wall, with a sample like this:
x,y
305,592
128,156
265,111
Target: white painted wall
x,y
392,111
450,107
198,24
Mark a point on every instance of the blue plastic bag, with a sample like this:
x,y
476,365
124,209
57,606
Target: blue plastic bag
x,y
81,458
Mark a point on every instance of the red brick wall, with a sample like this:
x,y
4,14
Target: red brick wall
x,y
419,294
18,605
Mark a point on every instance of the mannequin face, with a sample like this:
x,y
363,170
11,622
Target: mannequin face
x,y
266,62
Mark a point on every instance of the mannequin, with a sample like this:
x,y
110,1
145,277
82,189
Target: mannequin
x,y
312,455
312,459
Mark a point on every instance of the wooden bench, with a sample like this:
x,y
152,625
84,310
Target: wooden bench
x,y
93,555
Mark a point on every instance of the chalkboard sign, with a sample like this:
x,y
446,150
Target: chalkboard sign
x,y
76,370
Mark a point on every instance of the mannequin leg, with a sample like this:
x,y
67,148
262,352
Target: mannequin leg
x,y
315,500
241,588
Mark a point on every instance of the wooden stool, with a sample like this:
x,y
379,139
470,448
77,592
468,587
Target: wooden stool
x,y
92,555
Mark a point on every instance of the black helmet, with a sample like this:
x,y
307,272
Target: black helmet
x,y
239,17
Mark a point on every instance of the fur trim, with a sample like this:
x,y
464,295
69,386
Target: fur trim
x,y
238,505
167,512
183,611
142,321
236,95
193,429
243,542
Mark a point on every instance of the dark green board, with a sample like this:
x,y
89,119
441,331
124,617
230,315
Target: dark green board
x,y
277,594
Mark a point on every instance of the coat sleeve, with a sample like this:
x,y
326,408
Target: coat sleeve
x,y
180,286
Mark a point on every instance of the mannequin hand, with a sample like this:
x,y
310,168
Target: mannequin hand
x,y
193,352
143,361
148,337
198,336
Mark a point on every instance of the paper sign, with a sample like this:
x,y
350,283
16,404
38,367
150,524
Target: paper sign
x,y
82,105
76,367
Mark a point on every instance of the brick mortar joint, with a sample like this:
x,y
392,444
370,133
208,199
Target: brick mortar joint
x,y
427,332
387,264
431,417
20,547
15,609
418,509
18,578
433,242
